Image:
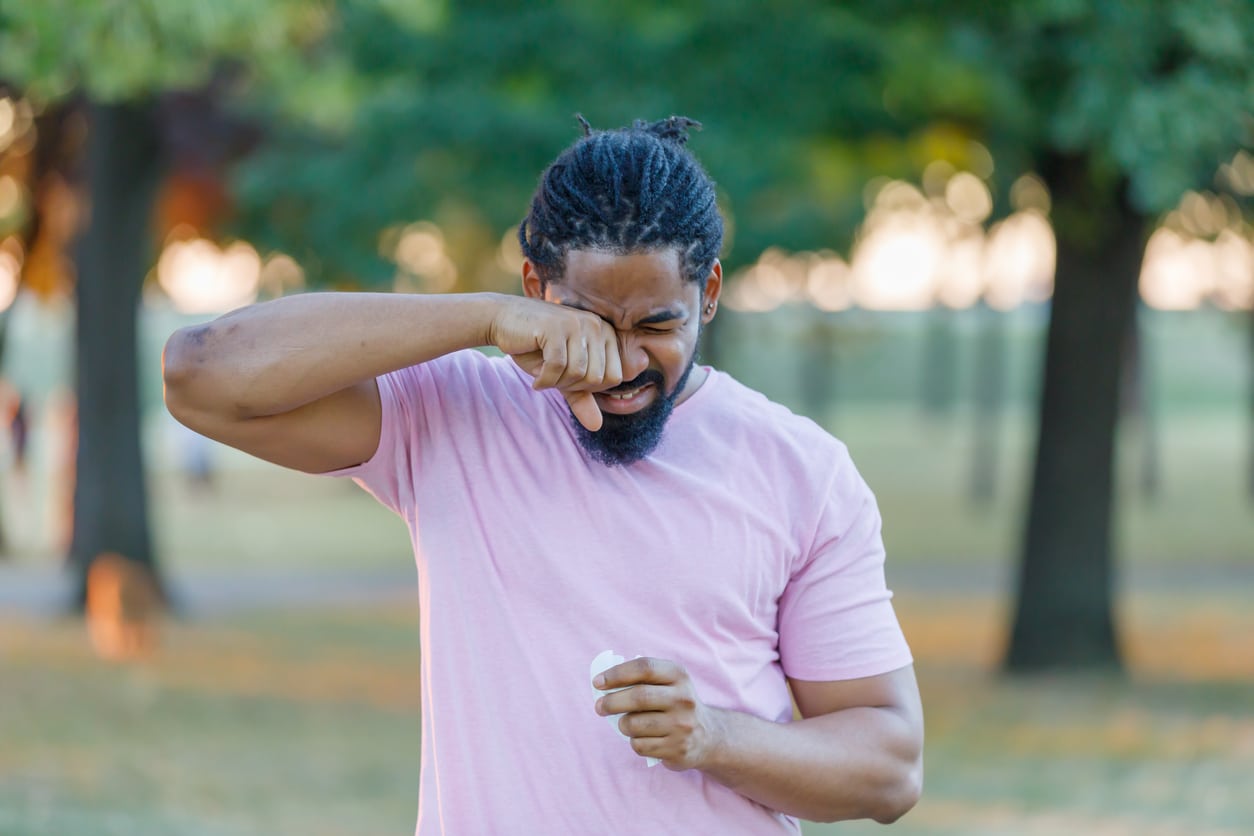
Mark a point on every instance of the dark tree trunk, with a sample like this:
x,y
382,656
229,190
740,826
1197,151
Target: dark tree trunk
x,y
1064,608
989,383
110,498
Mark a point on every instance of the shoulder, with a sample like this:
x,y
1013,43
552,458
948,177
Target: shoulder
x,y
746,420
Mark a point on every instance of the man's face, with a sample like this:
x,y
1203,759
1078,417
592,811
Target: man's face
x,y
658,315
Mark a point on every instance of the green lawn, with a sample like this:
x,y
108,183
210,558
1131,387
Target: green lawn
x,y
306,721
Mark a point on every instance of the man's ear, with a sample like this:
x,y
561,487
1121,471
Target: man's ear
x,y
533,285
713,289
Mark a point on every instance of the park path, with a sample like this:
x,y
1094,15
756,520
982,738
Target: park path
x,y
42,589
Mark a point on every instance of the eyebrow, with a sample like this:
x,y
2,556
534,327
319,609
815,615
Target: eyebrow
x,y
651,319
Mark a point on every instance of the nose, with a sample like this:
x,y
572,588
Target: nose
x,y
632,356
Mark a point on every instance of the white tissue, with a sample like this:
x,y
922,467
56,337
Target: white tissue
x,y
605,660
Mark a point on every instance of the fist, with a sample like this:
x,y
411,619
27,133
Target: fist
x,y
563,348
661,713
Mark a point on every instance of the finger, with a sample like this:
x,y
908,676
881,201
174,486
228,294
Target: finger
x,y
639,698
646,669
651,747
594,375
576,362
645,724
613,364
585,408
554,365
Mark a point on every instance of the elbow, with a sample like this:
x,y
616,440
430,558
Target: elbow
x,y
182,356
886,800
174,367
901,796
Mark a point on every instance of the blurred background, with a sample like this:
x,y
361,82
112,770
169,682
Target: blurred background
x,y
1003,251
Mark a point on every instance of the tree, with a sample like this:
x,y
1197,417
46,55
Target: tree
x,y
1130,122
1119,107
122,60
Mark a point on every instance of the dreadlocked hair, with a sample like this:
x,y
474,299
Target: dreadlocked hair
x,y
623,191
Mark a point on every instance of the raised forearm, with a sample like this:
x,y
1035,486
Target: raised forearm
x,y
850,764
273,357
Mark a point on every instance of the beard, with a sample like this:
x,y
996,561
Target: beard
x,y
626,439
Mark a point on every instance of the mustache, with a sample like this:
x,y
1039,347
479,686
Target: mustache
x,y
645,377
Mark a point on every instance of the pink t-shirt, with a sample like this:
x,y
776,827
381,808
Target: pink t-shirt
x,y
746,547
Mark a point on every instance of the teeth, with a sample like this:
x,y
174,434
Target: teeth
x,y
624,396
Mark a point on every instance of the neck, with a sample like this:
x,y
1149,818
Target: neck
x,y
696,377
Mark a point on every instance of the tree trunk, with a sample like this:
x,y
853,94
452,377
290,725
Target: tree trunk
x,y
110,498
1065,593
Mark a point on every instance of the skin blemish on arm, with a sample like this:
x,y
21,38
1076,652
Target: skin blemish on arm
x,y
198,336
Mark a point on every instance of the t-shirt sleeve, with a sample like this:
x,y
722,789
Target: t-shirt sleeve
x,y
836,619
389,474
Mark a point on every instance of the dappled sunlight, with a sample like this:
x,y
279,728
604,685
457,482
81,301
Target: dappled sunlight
x,y
423,263
10,269
1203,253
201,278
917,249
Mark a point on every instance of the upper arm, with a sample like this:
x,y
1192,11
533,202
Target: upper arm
x,y
896,691
338,431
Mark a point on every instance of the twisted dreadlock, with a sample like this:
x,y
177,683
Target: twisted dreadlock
x,y
623,191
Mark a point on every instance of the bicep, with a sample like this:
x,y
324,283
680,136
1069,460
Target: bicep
x,y
338,431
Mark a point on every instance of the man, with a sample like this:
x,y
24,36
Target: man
x,y
592,493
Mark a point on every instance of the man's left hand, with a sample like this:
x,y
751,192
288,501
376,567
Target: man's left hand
x,y
662,714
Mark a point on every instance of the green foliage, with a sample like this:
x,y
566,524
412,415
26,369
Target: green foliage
x,y
381,112
1160,91
460,119
121,49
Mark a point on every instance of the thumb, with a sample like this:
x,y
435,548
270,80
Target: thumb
x,y
584,405
532,362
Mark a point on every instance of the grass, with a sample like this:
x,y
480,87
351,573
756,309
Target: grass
x,y
306,721
273,723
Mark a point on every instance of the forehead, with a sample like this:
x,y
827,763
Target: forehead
x,y
624,283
